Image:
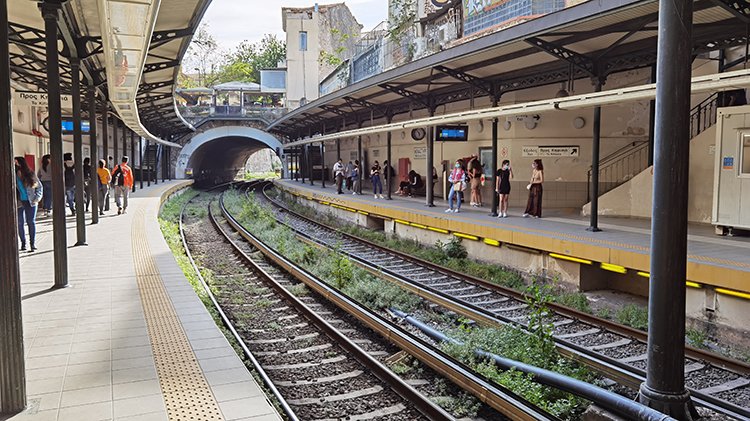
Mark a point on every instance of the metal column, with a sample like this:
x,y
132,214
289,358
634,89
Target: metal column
x,y
493,161
140,153
12,368
430,187
597,129
361,164
651,120
115,124
75,65
322,165
303,160
389,182
338,149
105,145
93,180
156,165
50,11
664,389
132,154
148,160
124,141
308,163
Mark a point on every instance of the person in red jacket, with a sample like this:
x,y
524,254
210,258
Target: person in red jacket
x,y
122,180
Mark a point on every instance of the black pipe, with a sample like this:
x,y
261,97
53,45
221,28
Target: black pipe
x,y
651,120
308,162
430,186
12,371
75,75
115,125
495,197
361,164
148,161
597,130
50,13
303,162
664,388
93,179
604,398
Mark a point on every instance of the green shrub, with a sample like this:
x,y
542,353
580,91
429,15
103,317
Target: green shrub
x,y
634,316
575,300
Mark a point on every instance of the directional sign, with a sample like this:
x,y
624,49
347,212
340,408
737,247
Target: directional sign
x,y
550,151
39,99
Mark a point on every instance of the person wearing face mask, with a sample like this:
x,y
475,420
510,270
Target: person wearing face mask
x,y
29,192
502,187
456,179
377,185
534,204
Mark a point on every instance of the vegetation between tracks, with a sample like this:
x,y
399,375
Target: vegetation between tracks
x,y
535,348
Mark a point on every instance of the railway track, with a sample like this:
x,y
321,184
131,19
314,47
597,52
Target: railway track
x,y
321,362
615,351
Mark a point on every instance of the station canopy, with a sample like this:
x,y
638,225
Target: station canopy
x,y
591,40
153,75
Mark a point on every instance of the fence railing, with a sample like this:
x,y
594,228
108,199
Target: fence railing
x,y
620,166
703,115
197,114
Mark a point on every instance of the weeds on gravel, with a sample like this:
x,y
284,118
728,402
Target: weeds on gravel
x,y
574,300
299,290
460,404
696,338
634,316
330,266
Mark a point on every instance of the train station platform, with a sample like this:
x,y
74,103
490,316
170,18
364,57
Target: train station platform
x,y
623,243
129,339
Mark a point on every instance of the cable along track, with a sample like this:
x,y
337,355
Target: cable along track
x,y
615,351
321,359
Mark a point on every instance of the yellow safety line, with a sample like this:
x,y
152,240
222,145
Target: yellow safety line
x,y
733,293
184,387
613,268
570,258
492,242
467,236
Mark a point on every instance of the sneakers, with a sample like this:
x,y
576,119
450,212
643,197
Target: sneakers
x,y
505,215
101,212
376,196
33,248
456,211
382,197
354,193
448,210
525,215
119,211
23,247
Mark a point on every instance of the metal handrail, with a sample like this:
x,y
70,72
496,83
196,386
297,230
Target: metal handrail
x,y
703,115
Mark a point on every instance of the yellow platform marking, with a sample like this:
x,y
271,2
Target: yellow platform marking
x,y
186,392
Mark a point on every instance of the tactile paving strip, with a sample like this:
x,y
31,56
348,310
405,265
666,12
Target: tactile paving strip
x,y
186,393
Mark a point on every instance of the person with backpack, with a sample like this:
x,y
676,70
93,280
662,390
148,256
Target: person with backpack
x,y
122,180
45,176
86,179
70,181
103,180
29,192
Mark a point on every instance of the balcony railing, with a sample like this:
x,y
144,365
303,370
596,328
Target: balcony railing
x,y
198,114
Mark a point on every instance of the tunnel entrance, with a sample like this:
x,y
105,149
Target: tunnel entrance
x,y
218,154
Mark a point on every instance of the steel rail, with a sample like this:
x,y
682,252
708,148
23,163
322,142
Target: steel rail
x,y
496,397
288,411
610,367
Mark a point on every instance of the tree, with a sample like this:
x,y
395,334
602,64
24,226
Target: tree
x,y
246,61
203,56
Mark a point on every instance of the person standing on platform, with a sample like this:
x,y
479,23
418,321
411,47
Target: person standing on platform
x,y
534,205
29,192
355,178
457,181
338,175
475,179
348,175
388,171
70,181
122,179
86,182
45,176
103,179
110,164
502,187
377,185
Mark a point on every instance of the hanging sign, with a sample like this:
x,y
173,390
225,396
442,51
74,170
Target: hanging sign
x,y
39,99
551,151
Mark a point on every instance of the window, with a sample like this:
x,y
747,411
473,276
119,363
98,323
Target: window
x,y
745,156
303,41
485,157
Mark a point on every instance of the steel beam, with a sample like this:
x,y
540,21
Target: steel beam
x,y
474,81
78,153
389,180
493,161
132,154
664,388
94,179
12,366
148,160
430,187
322,164
140,170
739,8
50,11
578,60
361,164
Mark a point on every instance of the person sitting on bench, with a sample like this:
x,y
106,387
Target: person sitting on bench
x,y
414,183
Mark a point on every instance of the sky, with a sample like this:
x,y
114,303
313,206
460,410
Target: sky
x,y
233,21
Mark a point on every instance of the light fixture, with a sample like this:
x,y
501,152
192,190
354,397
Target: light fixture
x,y
562,93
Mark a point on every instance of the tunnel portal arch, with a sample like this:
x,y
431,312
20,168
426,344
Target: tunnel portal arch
x,y
222,148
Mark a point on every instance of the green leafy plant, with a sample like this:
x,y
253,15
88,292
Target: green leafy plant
x,y
696,338
575,300
633,315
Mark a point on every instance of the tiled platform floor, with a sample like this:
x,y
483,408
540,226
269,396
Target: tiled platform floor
x,y
704,246
88,351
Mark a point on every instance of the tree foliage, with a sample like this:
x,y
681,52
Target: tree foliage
x,y
243,63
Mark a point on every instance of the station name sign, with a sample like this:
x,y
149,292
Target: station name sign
x,y
39,99
551,151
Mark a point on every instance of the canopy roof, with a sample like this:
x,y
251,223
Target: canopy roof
x,y
238,86
591,40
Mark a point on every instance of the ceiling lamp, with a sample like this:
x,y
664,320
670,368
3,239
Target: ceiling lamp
x,y
562,93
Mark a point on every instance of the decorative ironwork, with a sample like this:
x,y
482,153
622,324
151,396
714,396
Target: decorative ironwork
x,y
474,81
576,59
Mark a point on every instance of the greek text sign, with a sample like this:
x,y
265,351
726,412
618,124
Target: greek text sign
x,y
420,153
39,99
559,151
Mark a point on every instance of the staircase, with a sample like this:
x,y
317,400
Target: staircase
x,y
623,164
151,161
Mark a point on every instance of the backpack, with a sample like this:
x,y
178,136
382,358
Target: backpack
x,y
118,177
69,175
